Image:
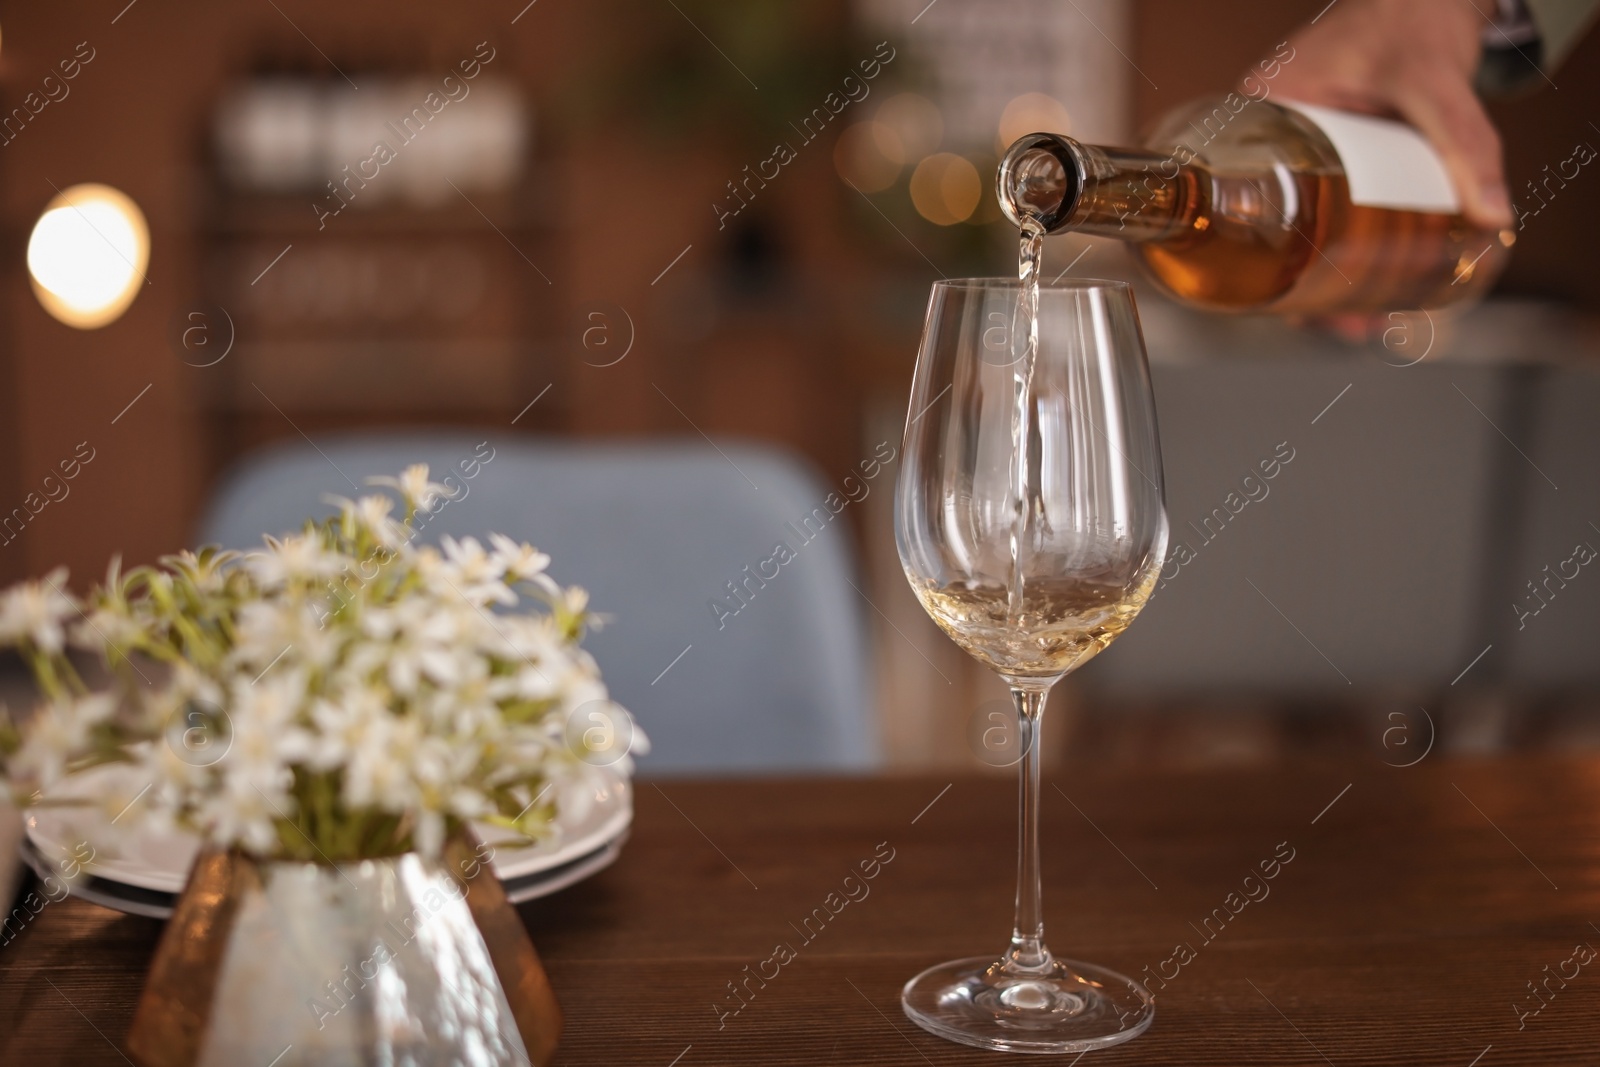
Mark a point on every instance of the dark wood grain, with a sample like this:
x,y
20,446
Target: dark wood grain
x,y
1406,927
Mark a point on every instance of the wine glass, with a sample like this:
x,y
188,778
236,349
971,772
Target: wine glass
x,y
1030,522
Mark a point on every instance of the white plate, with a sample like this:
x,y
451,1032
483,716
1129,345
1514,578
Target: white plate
x,y
160,861
532,887
158,905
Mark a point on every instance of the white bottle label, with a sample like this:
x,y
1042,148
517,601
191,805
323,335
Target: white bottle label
x,y
1387,163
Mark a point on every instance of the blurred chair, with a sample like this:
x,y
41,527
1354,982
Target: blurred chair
x,y
1398,545
655,531
1547,606
1364,564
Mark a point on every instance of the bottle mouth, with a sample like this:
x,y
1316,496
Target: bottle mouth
x,y
1039,180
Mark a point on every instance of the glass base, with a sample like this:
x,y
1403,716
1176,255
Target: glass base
x,y
1073,1007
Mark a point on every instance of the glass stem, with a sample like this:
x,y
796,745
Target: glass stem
x,y
1028,954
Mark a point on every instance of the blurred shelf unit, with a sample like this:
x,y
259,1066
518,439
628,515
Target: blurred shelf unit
x,y
381,255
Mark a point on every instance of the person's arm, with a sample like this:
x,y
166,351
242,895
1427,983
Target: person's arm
x,y
1415,59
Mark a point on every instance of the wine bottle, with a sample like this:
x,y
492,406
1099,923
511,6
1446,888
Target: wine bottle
x,y
1242,205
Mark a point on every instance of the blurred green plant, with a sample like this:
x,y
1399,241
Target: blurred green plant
x,y
742,69
744,72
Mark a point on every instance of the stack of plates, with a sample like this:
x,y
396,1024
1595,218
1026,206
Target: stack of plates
x,y
142,872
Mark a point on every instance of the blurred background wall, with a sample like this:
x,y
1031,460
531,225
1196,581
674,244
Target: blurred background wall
x,y
648,220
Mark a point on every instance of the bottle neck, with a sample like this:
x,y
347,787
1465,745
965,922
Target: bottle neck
x,y
1125,193
1133,195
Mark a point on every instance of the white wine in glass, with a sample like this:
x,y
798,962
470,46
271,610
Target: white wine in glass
x,y
1030,522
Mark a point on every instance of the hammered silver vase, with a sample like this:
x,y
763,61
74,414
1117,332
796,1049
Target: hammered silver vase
x,y
401,961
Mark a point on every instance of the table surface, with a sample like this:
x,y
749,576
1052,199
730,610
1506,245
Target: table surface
x,y
1417,908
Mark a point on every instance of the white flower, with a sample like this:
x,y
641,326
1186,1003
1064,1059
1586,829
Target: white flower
x,y
413,484
472,573
343,726
532,682
33,611
186,689
575,599
265,742
209,573
174,773
244,811
268,629
298,557
428,644
59,733
379,624
108,628
521,638
519,562
379,773
370,514
576,785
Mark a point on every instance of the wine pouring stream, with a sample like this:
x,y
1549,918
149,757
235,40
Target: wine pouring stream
x,y
1025,329
1031,525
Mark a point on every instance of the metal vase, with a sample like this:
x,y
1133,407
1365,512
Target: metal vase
x,y
402,961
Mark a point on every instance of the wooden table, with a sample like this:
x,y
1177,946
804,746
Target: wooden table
x,y
1418,906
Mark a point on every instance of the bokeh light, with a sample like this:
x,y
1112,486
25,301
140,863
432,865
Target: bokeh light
x,y
87,255
916,122
945,188
1031,113
869,156
988,209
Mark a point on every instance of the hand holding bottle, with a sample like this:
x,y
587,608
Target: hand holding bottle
x,y
1413,59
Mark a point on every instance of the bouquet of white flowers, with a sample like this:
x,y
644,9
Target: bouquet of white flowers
x,y
340,694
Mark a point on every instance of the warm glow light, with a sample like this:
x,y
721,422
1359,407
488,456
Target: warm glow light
x,y
88,254
869,156
945,188
1031,113
915,122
